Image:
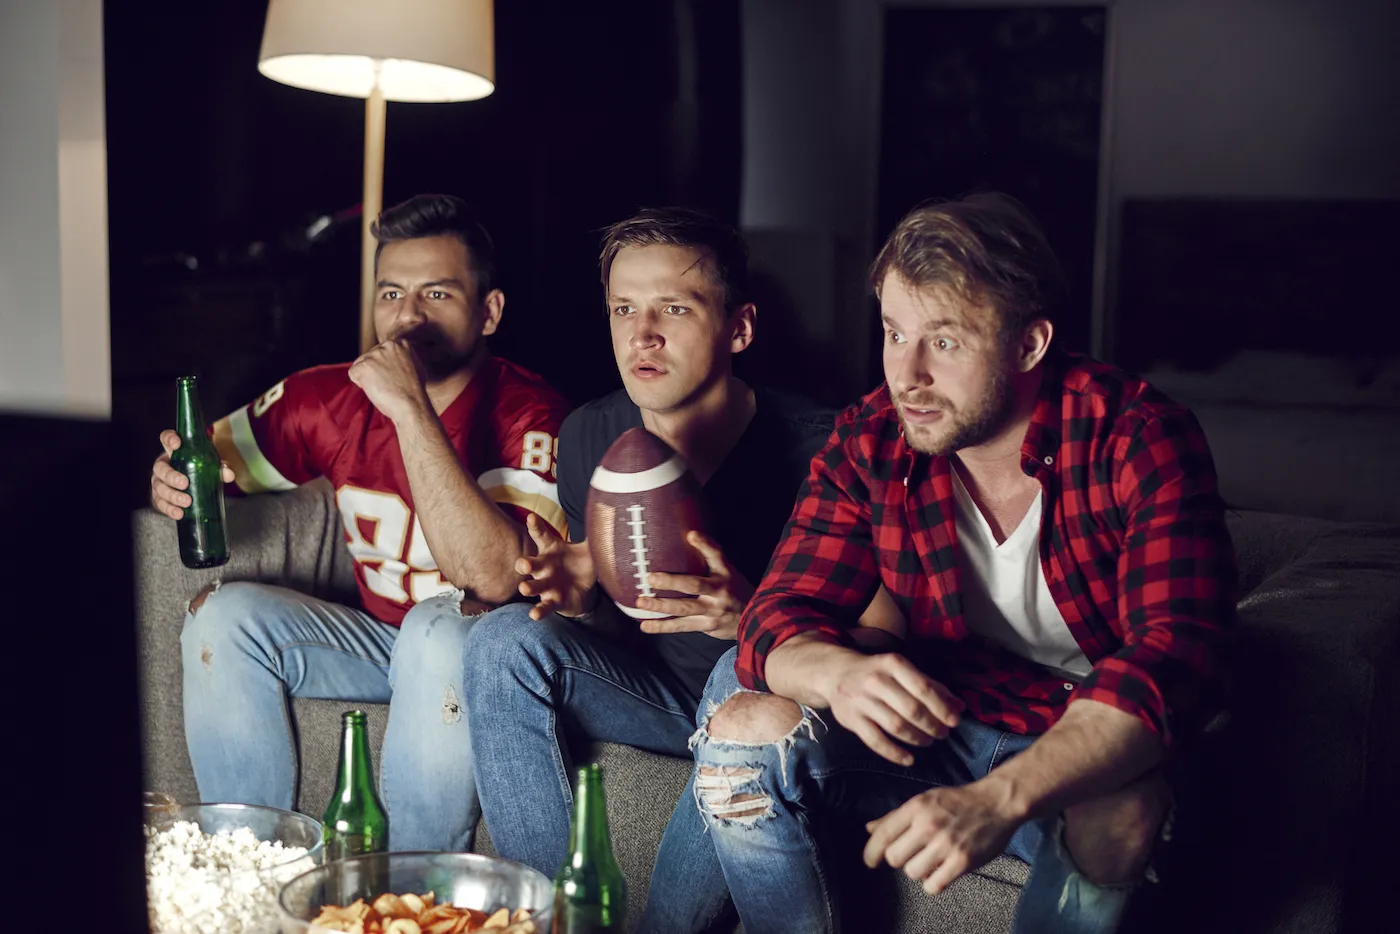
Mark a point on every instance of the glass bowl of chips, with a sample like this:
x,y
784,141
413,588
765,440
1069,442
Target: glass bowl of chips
x,y
219,867
439,893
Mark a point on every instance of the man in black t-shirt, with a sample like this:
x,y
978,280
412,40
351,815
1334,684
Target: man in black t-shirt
x,y
572,667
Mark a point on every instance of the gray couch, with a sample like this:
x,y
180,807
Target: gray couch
x,y
1303,777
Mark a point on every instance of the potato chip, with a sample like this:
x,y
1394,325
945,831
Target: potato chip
x,y
419,914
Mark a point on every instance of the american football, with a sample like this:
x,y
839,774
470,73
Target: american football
x,y
642,502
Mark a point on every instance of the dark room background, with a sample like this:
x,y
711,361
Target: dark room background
x,y
1218,176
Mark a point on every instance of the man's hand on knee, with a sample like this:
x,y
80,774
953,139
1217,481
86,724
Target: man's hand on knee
x,y
887,701
1111,838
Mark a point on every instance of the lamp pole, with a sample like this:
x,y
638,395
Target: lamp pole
x,y
373,203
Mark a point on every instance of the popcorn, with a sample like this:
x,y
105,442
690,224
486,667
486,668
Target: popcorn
x,y
222,883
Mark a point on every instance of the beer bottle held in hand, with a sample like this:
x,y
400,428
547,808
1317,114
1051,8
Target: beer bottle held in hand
x,y
355,822
589,893
201,528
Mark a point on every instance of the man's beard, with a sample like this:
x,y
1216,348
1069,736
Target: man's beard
x,y
978,423
439,358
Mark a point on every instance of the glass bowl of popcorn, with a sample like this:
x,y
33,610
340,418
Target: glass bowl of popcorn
x,y
218,867
399,893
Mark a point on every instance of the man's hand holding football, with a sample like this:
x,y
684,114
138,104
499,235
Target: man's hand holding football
x,y
719,598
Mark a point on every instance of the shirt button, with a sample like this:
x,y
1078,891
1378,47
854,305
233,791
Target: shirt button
x,y
1068,686
1049,460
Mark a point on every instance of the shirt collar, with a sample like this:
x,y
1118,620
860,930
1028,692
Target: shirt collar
x,y
1041,447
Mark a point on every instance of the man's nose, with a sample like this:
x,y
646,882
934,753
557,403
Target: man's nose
x,y
411,309
646,334
910,373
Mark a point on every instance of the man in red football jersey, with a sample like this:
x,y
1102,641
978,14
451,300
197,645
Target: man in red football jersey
x,y
573,666
438,453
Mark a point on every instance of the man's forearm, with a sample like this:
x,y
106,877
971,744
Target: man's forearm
x,y
804,669
1092,750
474,543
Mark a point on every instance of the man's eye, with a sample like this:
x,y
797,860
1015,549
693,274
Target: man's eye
x,y
945,343
390,295
676,309
621,310
437,295
894,337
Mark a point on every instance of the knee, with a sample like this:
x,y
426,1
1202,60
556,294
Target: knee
x,y
435,629
735,784
1111,838
506,636
219,609
751,717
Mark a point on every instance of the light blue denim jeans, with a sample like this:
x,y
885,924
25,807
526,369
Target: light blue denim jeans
x,y
251,646
773,860
536,692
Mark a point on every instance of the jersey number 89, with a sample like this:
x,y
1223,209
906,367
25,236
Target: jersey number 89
x,y
389,570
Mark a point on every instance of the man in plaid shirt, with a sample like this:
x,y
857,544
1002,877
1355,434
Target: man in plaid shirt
x,y
1051,530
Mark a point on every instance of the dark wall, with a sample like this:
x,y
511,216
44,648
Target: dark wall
x,y
71,664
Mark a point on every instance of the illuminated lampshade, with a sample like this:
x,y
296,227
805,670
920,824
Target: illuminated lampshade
x,y
423,50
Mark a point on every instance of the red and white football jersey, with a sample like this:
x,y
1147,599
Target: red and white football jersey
x,y
316,423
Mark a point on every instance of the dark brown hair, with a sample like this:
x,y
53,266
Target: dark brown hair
x,y
439,216
987,248
723,252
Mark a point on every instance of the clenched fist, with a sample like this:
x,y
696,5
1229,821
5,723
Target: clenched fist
x,y
392,376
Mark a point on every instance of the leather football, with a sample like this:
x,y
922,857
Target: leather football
x,y
642,502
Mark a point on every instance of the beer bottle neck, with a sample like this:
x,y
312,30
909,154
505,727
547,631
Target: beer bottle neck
x,y
355,777
189,415
588,836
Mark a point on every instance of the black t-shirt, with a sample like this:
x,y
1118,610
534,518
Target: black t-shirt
x,y
748,499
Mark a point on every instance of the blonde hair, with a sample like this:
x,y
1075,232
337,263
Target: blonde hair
x,y
987,248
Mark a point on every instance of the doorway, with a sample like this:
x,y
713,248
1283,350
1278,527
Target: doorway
x,y
1005,99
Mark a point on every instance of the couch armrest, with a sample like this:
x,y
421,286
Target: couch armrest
x,y
292,539
1306,767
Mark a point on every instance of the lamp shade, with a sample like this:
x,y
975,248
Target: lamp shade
x,y
423,50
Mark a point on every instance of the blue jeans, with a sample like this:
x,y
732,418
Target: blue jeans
x,y
773,861
537,687
251,646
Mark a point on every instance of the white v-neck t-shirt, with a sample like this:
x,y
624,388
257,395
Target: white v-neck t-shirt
x,y
1004,594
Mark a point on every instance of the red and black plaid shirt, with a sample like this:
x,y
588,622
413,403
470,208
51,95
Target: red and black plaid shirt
x,y
1133,545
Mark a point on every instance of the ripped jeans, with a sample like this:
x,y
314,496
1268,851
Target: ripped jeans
x,y
250,646
756,807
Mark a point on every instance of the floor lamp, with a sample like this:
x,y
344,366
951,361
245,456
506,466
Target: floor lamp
x,y
380,50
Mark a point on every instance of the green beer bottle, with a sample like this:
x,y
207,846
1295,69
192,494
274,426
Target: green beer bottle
x,y
355,820
201,529
589,893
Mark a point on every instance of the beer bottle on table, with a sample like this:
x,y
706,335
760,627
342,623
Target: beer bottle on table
x,y
589,893
201,528
355,820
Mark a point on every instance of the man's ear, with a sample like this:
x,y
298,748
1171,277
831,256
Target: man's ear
x,y
1034,345
741,324
493,304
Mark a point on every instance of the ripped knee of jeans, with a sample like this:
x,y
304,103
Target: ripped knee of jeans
x,y
198,599
747,722
731,794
